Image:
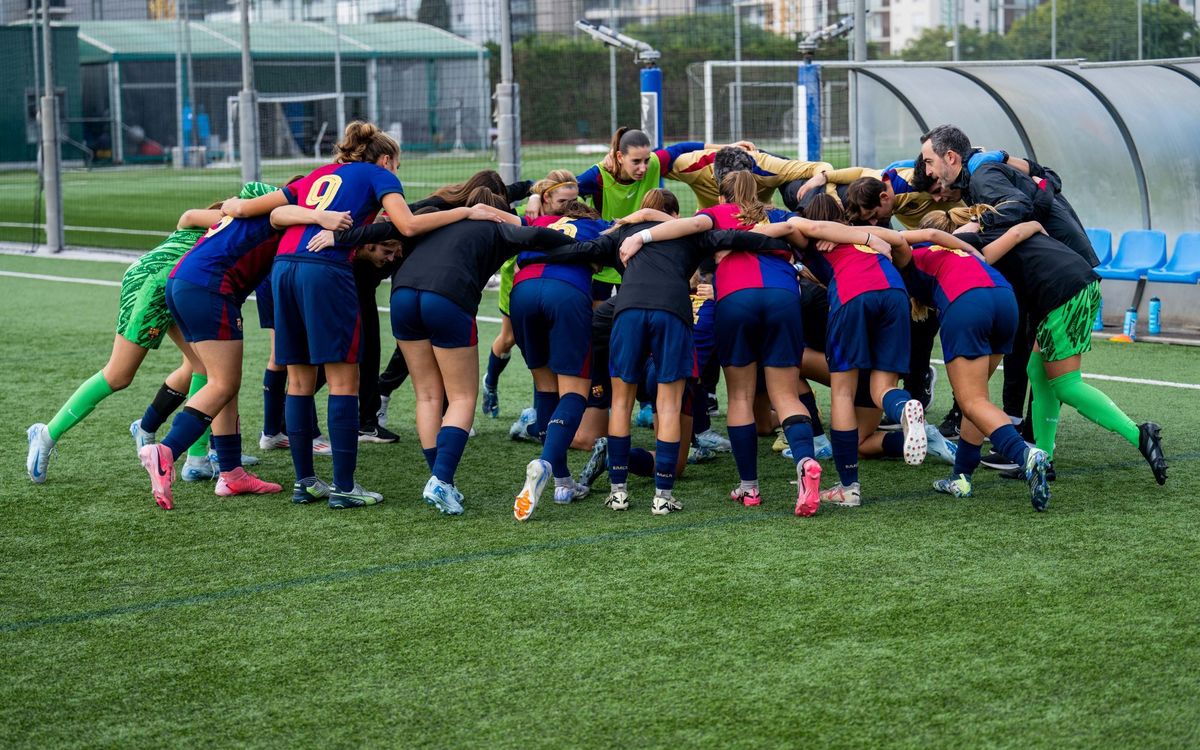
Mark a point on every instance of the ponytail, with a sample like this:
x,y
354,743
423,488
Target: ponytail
x,y
364,141
741,188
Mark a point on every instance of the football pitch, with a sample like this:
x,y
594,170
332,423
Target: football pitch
x,y
917,620
150,199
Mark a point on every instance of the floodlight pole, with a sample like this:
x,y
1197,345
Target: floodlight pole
x,y
651,75
860,55
737,71
337,72
180,147
1139,25
508,104
51,165
1053,29
248,105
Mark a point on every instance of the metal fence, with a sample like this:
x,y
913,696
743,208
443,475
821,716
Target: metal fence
x,y
148,111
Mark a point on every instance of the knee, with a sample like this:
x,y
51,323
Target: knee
x,y
118,381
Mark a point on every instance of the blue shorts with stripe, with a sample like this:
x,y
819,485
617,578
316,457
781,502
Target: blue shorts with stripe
x,y
978,323
638,335
552,323
202,314
760,325
871,332
317,316
418,315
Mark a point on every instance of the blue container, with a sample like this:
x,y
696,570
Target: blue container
x,y
1155,316
1098,325
1130,327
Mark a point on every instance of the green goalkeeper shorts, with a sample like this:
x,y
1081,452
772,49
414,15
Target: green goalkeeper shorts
x,y
1067,330
142,316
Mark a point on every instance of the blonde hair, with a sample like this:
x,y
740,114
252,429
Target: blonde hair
x,y
364,141
558,178
948,221
741,188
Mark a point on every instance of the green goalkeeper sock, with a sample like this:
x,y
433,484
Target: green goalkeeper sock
x,y
1095,405
1045,407
82,402
199,448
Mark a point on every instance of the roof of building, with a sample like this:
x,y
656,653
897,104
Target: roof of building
x,y
106,41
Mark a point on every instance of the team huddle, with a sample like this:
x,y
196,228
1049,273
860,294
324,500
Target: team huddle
x,y
615,300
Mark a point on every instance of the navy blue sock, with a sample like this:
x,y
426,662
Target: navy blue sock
x,y
893,444
561,431
744,439
544,403
641,462
1009,442
299,412
810,402
274,395
343,437
451,442
666,455
893,403
966,459
798,431
430,455
618,458
165,402
229,451
186,428
845,455
495,366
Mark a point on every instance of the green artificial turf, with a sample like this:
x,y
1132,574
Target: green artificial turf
x,y
916,620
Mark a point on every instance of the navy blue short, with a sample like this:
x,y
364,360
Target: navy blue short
x,y
978,323
640,334
202,314
871,332
552,322
760,325
317,316
428,316
265,299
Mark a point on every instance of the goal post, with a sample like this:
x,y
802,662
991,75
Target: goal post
x,y
784,105
290,126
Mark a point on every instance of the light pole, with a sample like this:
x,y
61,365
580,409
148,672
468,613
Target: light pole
x,y
248,105
51,168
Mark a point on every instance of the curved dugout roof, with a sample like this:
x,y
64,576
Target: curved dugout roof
x,y
1124,138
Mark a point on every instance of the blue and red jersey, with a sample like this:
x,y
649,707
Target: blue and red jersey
x,y
851,270
233,257
577,275
952,272
742,270
357,187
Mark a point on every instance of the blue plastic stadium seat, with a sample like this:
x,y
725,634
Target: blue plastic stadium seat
x,y
1184,265
1101,240
1139,251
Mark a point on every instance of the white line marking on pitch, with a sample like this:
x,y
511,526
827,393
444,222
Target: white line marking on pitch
x,y
487,319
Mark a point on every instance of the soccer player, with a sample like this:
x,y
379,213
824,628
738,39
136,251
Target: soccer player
x,y
205,293
1062,295
978,315
553,192
142,321
653,319
435,296
317,309
868,330
703,171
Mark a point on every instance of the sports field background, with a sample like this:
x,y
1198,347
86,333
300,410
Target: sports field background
x,y
917,620
150,199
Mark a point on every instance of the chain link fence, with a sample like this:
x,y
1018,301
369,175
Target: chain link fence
x,y
147,89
